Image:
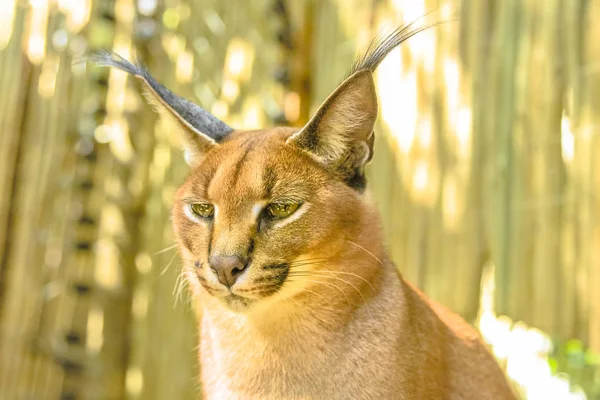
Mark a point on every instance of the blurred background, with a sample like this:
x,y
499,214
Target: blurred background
x,y
484,171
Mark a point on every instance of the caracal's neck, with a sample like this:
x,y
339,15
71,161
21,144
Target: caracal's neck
x,y
321,309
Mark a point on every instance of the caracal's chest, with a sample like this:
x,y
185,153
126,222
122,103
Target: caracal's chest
x,y
263,369
324,367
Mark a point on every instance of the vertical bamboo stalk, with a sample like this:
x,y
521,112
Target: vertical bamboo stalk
x,y
521,238
589,278
14,78
475,37
574,159
499,123
548,169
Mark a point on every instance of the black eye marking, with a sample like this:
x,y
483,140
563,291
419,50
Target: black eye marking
x,y
210,238
262,220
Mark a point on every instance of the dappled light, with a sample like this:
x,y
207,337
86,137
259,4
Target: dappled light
x,y
523,350
485,171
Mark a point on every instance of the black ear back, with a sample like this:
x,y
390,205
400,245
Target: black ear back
x,y
199,129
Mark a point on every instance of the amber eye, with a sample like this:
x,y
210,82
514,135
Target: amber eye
x,y
281,210
204,210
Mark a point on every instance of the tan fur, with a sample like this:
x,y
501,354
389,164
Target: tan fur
x,y
348,326
318,311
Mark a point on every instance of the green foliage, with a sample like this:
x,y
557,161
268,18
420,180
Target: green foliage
x,y
580,363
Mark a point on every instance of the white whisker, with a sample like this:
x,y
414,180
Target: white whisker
x,y
365,250
165,249
346,273
328,285
168,265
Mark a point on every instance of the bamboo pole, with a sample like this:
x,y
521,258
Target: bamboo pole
x,y
499,136
589,140
14,77
547,166
475,47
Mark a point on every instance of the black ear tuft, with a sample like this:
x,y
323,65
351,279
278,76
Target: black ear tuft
x,y
383,44
340,134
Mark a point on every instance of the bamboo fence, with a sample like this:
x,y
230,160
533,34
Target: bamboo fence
x,y
484,156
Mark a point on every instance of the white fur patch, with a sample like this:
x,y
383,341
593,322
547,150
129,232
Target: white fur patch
x,y
256,209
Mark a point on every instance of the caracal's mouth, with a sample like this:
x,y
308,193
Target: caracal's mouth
x,y
264,282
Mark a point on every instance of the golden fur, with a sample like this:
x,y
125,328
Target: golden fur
x,y
316,309
345,325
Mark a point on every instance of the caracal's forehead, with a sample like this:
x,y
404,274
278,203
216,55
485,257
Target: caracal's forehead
x,y
255,166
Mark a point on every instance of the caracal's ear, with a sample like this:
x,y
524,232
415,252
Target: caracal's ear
x,y
340,134
200,130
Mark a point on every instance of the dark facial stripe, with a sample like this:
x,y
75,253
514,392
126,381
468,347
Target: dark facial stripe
x,y
282,273
210,237
249,144
276,266
267,285
208,288
208,174
269,178
269,292
266,279
258,287
240,163
251,248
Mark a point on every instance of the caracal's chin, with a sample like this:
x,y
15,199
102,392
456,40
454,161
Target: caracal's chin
x,y
237,303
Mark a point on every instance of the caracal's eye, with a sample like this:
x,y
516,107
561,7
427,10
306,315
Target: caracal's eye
x,y
204,210
281,210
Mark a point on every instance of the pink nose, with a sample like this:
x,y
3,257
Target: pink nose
x,y
227,268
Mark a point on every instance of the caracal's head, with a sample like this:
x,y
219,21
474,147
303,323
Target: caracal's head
x,y
280,213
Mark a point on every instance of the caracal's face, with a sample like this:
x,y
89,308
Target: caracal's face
x,y
261,211
257,216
